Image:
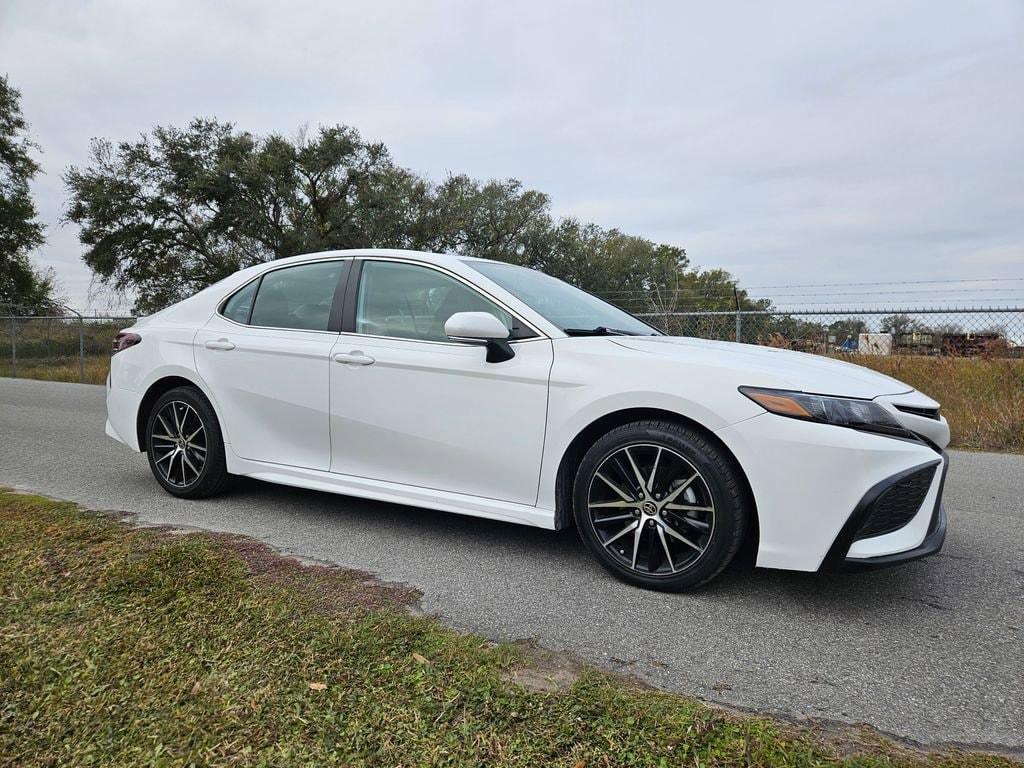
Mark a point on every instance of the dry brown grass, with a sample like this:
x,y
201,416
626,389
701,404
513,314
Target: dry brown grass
x,y
983,399
49,349
60,370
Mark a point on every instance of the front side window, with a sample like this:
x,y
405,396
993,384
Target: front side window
x,y
298,297
408,301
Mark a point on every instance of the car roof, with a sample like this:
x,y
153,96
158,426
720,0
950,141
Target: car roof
x,y
441,259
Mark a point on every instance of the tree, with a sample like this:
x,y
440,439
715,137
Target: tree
x,y
493,220
803,333
171,213
176,210
847,328
20,231
899,324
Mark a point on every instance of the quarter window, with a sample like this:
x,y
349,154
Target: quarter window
x,y
298,297
239,306
408,301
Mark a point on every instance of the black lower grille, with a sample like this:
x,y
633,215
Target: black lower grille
x,y
928,413
895,507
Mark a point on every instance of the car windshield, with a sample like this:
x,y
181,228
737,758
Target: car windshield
x,y
576,312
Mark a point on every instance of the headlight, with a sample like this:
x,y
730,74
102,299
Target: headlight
x,y
865,415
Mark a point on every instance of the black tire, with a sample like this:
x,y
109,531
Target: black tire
x,y
711,529
181,474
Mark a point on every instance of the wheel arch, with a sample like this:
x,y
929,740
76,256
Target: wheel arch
x,y
155,391
573,455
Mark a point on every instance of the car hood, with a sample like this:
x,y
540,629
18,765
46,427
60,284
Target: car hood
x,y
770,367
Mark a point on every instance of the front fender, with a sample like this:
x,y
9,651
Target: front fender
x,y
595,379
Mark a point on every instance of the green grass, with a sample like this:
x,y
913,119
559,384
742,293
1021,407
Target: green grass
x,y
123,646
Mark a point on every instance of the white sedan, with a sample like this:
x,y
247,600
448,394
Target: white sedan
x,y
488,389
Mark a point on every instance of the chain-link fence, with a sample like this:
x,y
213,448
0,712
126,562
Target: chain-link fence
x,y
961,331
66,346
59,345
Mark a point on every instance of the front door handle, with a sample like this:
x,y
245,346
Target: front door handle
x,y
353,358
220,344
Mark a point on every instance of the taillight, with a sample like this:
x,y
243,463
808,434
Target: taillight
x,y
123,341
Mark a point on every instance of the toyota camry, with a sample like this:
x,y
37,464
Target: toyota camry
x,y
493,390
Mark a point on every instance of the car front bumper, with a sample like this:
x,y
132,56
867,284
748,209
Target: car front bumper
x,y
931,545
813,485
842,555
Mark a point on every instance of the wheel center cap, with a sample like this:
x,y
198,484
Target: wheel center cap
x,y
650,508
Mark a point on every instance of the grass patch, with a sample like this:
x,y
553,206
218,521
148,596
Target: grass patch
x,y
66,369
49,348
124,646
983,399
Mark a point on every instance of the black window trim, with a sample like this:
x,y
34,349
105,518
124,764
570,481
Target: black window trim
x,y
334,321
348,326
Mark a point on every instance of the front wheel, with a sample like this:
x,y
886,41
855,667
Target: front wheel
x,y
660,505
184,445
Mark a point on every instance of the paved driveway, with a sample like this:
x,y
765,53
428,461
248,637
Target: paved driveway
x,y
933,650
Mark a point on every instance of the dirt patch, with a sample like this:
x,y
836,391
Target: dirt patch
x,y
848,740
545,671
327,588
331,589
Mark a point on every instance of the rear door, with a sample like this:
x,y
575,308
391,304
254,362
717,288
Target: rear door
x,y
266,356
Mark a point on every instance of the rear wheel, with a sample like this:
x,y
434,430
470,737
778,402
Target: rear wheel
x,y
184,445
659,505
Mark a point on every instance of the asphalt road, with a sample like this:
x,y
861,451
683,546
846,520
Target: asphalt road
x,y
931,651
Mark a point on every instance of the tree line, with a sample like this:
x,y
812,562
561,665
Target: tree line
x,y
166,214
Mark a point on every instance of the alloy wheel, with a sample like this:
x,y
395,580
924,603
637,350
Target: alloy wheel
x,y
179,444
652,509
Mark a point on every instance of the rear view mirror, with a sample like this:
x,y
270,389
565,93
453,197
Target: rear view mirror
x,y
481,328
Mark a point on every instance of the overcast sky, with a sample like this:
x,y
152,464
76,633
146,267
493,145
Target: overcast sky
x,y
788,142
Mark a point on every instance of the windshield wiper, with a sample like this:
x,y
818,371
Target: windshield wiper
x,y
600,330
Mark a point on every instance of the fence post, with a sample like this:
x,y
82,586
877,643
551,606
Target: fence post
x,y
81,350
739,318
14,349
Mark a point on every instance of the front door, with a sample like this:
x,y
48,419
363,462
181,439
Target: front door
x,y
410,406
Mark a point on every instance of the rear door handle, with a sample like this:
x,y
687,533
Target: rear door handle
x,y
353,358
220,344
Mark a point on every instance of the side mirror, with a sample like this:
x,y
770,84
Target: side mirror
x,y
481,328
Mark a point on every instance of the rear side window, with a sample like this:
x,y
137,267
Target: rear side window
x,y
239,306
297,297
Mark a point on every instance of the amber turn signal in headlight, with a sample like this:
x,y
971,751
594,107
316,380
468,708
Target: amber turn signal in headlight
x,y
841,411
